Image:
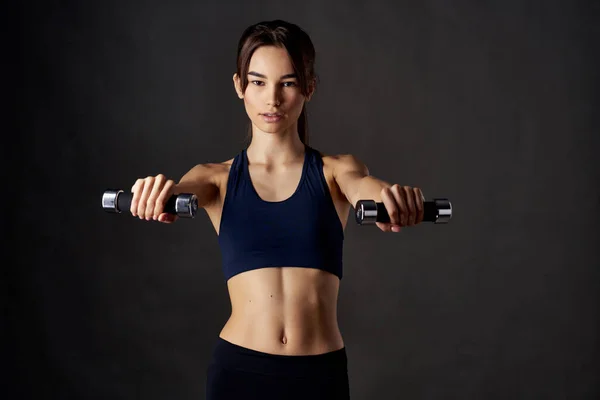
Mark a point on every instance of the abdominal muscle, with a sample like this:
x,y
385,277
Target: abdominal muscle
x,y
284,310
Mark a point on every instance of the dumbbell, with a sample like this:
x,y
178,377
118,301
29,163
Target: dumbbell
x,y
183,205
368,212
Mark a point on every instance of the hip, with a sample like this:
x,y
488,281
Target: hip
x,y
239,372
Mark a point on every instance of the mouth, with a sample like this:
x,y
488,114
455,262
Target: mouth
x,y
272,117
272,114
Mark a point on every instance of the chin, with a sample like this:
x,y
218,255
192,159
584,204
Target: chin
x,y
275,128
272,129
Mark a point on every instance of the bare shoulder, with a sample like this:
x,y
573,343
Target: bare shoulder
x,y
340,163
207,181
212,171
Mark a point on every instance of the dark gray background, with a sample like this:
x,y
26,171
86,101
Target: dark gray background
x,y
491,104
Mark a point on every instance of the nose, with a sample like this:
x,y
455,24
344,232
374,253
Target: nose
x,y
274,97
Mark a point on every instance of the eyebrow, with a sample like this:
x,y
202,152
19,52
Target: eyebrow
x,y
287,76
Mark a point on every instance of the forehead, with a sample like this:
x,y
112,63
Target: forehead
x,y
271,60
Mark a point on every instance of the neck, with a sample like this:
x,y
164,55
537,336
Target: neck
x,y
275,148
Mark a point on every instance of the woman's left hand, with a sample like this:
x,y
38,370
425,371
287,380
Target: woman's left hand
x,y
404,205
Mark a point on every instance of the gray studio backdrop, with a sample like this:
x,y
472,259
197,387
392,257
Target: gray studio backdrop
x,y
489,104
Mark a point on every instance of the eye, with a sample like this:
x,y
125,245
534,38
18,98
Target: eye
x,y
257,83
289,84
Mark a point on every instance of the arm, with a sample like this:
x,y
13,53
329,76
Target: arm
x,y
151,194
355,181
201,181
403,203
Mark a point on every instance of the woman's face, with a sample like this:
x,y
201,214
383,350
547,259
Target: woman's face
x,y
273,98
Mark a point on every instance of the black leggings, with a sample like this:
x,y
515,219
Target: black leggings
x,y
240,373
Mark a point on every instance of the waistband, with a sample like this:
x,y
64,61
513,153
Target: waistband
x,y
234,357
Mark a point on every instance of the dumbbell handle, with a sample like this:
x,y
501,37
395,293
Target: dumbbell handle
x,y
368,212
183,205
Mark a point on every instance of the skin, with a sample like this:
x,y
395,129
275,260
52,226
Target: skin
x,y
283,310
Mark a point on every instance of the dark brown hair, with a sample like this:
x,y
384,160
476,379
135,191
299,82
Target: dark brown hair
x,y
298,45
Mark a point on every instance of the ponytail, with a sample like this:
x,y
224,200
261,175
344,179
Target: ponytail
x,y
303,126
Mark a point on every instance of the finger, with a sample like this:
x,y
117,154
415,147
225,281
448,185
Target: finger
x,y
148,186
163,197
399,195
151,202
410,205
136,189
420,204
390,205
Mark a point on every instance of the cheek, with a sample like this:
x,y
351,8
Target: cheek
x,y
296,103
250,100
295,100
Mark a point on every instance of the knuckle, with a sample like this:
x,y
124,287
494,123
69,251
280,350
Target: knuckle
x,y
167,187
419,193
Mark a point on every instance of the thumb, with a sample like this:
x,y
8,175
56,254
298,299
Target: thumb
x,y
388,227
167,218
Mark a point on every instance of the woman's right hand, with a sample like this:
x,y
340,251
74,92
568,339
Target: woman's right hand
x,y
150,196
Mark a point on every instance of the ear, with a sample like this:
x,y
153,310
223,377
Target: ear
x,y
311,90
237,85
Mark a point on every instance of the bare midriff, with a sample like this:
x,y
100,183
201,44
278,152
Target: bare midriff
x,y
284,310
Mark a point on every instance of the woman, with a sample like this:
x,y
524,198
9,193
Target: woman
x,y
280,209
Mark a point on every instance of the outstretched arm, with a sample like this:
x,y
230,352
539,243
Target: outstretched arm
x,y
404,204
151,193
201,180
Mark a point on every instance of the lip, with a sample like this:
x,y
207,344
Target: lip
x,y
272,117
